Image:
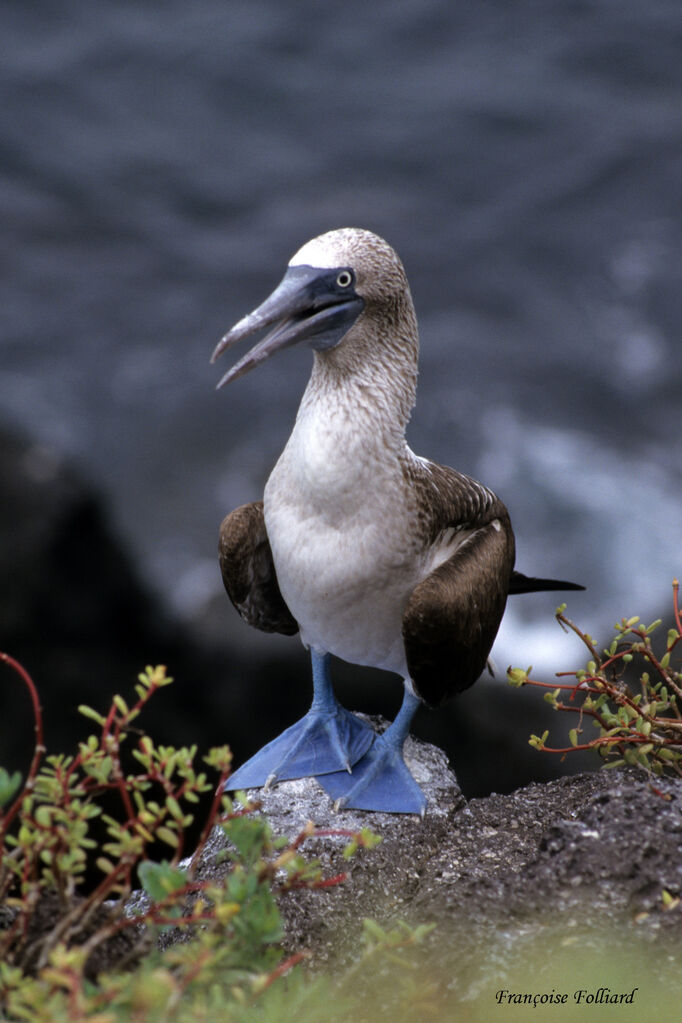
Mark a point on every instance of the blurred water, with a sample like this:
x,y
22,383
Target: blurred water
x,y
160,163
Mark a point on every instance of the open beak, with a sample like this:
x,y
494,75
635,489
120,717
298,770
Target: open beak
x,y
305,306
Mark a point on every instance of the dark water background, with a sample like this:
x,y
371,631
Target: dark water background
x,y
159,163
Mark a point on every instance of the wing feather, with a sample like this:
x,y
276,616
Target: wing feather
x,y
249,572
452,616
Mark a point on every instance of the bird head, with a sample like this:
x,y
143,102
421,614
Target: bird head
x,y
330,284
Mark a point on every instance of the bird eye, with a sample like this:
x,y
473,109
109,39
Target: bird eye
x,y
344,279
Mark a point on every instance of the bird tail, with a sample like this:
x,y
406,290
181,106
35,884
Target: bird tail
x,y
521,583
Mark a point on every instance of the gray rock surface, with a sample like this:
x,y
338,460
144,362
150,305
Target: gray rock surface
x,y
553,864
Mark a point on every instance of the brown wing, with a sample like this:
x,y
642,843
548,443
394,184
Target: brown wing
x,y
453,615
249,573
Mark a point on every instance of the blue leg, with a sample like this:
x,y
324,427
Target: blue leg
x,y
328,738
381,780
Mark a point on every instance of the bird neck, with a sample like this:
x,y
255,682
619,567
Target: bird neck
x,y
365,388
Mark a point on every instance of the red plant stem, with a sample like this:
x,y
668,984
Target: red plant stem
x,y
120,780
39,749
579,687
615,694
192,974
332,833
647,652
676,605
612,660
108,738
656,664
10,934
299,880
329,882
614,740
283,968
211,821
580,746
155,914
581,635
655,722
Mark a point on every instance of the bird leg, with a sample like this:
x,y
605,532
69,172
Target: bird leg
x,y
329,738
381,780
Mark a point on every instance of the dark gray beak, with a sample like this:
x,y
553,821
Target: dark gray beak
x,y
309,304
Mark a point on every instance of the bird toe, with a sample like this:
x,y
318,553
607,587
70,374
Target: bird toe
x,y
318,744
381,781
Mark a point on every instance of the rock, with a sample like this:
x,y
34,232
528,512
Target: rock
x,y
501,877
121,950
314,919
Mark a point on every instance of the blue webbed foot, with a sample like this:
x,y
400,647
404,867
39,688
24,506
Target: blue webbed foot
x,y
321,742
329,738
381,781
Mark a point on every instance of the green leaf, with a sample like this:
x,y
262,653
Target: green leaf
x,y
372,930
174,808
669,901
88,712
120,704
538,741
667,755
160,880
251,837
9,785
44,816
168,836
517,676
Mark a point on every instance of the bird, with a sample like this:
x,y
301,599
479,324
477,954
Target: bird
x,y
372,553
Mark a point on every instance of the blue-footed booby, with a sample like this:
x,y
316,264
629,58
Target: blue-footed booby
x,y
374,554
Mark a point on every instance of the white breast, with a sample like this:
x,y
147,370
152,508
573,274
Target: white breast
x,y
338,519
